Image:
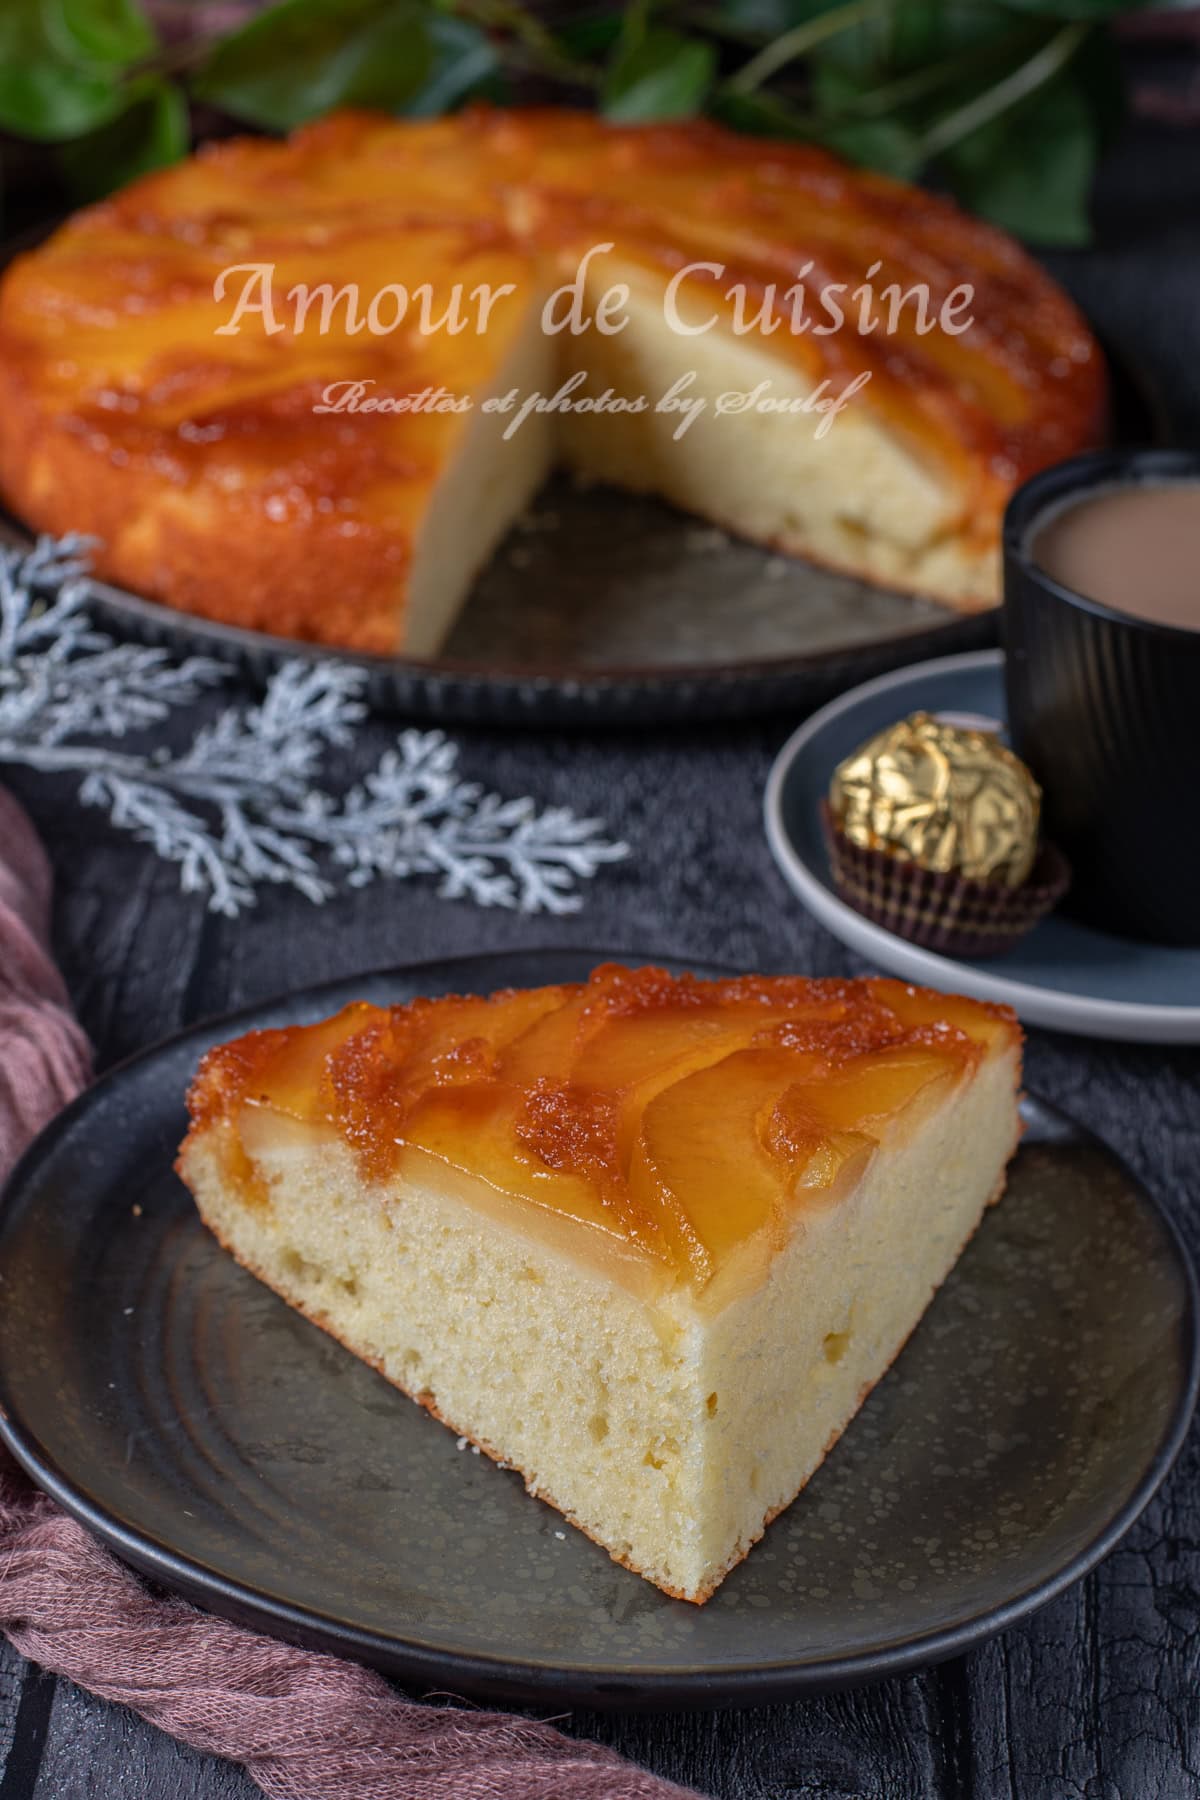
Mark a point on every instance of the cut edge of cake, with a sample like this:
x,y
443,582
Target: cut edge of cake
x,y
848,490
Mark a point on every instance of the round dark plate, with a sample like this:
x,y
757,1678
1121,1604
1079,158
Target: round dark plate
x,y
231,1450
622,611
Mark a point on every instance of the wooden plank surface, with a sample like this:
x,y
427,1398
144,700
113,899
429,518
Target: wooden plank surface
x,y
1095,1698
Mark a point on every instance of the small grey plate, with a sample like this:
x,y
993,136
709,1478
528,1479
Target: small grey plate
x,y
1064,975
231,1450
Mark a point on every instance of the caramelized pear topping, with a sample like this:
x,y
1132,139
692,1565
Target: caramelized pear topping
x,y
679,1116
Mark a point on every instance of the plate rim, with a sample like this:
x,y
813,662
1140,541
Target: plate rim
x,y
533,697
1127,1021
501,1677
196,633
572,677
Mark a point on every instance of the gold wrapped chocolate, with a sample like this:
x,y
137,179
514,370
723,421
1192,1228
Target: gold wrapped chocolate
x,y
954,800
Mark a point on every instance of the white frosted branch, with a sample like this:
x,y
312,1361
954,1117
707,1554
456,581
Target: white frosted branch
x,y
243,804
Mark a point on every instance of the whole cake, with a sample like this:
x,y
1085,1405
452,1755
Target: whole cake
x,y
650,1240
162,354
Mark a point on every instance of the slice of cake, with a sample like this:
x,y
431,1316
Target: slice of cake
x,y
650,1240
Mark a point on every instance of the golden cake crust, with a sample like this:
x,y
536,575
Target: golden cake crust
x,y
590,1100
197,460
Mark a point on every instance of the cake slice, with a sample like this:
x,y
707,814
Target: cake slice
x,y
650,1240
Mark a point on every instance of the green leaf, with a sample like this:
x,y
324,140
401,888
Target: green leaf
x,y
50,101
464,57
590,37
761,114
111,31
149,134
912,34
300,58
889,140
887,145
1031,170
43,94
663,76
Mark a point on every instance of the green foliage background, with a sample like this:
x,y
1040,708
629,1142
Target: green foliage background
x,y
1005,102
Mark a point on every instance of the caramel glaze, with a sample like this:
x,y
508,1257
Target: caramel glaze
x,y
678,1116
198,463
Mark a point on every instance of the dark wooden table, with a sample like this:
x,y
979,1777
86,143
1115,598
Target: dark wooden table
x,y
1098,1695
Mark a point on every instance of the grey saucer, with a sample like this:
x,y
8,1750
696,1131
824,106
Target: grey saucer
x,y
1064,975
233,1451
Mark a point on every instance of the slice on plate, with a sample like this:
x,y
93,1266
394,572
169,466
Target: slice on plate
x,y
649,1240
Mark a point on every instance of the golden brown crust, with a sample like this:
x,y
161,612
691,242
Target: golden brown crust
x,y
199,464
589,1100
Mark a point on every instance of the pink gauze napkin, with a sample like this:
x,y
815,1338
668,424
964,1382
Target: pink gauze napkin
x,y
306,1726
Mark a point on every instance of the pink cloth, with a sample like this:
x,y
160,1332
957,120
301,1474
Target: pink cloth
x,y
307,1727
43,1054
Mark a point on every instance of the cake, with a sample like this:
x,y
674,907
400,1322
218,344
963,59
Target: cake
x,y
142,403
648,1239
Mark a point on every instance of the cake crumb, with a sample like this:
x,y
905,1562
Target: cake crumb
x,y
562,1535
460,1443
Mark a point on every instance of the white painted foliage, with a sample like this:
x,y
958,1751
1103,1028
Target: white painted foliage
x,y
244,804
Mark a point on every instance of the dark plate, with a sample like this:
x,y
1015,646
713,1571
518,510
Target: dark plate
x,y
617,609
623,612
232,1450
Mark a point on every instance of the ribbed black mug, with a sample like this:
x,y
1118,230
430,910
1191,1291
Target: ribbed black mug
x,y
1105,709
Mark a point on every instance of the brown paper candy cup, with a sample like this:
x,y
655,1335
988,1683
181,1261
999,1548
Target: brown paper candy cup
x,y
948,913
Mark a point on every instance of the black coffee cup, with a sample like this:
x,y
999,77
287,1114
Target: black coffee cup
x,y
1105,709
